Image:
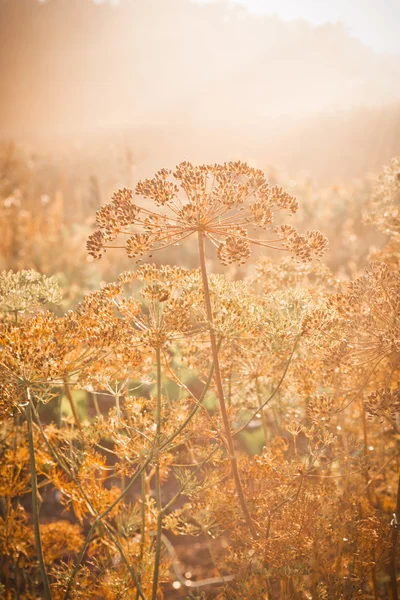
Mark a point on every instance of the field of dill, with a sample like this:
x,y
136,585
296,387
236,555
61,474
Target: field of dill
x,y
210,411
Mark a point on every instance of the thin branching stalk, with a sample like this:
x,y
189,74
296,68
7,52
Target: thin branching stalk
x,y
143,520
220,390
141,470
275,391
143,512
72,405
369,489
98,518
157,482
96,405
194,410
183,487
395,532
262,413
35,504
126,561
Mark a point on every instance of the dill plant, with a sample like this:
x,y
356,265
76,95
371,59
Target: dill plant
x,y
214,202
305,359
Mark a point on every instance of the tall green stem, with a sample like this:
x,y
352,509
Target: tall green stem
x,y
35,504
157,481
220,390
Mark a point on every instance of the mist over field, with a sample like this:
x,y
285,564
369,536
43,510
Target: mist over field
x,y
173,80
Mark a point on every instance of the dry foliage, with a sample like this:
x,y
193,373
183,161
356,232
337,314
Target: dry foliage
x,y
257,417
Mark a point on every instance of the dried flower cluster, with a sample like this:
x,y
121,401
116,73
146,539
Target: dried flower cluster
x,y
385,201
182,435
27,290
221,201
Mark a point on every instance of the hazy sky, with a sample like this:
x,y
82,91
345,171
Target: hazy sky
x,y
375,22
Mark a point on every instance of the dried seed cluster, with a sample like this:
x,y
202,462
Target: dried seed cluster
x,y
221,201
132,448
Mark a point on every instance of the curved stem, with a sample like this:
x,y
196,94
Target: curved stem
x,y
35,505
194,411
220,390
268,400
157,480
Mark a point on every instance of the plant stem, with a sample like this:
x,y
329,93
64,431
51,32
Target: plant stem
x,y
220,390
96,405
126,561
143,522
140,470
35,505
157,481
395,532
196,408
260,404
268,400
98,518
72,405
369,488
143,513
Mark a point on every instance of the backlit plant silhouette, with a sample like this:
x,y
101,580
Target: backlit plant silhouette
x,y
179,434
219,203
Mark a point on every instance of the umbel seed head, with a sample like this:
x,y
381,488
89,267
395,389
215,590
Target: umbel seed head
x,y
221,201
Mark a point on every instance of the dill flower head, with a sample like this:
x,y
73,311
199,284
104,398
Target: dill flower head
x,y
43,350
31,355
383,402
360,325
384,211
369,312
220,201
167,312
271,276
27,290
130,324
